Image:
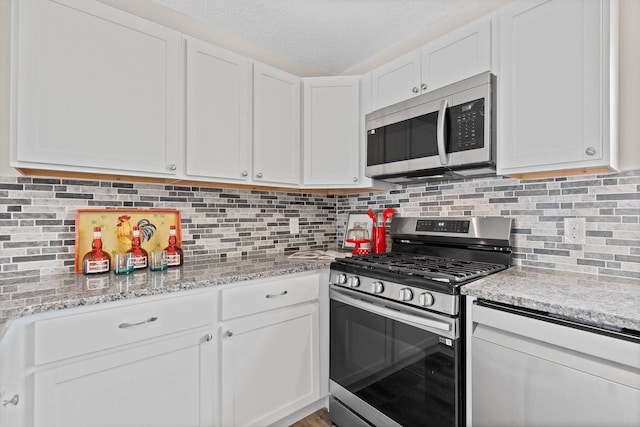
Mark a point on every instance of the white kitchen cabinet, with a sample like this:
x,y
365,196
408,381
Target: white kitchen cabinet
x,y
150,363
96,90
396,81
276,126
218,113
332,144
555,88
457,55
270,352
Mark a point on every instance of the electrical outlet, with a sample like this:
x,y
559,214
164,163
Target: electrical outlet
x,y
574,230
294,225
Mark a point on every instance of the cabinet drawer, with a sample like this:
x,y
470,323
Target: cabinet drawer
x,y
79,334
255,298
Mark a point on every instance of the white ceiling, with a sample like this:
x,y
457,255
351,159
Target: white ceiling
x,y
330,35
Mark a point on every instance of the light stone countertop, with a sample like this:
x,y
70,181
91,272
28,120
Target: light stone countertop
x,y
72,290
601,300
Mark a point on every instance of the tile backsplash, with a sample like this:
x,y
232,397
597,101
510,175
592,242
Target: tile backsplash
x,y
609,204
37,218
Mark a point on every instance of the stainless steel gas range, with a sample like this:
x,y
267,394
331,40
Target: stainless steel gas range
x,y
397,339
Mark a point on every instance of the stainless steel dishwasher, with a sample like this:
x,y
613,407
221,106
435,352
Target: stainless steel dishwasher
x,y
535,369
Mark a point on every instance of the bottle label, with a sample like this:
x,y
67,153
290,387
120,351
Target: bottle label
x,y
173,260
140,262
92,267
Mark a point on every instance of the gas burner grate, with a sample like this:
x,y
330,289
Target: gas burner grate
x,y
429,267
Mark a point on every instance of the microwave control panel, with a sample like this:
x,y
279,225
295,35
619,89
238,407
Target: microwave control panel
x,y
467,126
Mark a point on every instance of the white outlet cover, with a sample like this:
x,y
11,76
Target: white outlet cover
x,y
294,225
574,230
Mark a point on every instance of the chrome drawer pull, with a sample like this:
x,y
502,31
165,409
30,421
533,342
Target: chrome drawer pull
x,y
277,295
128,325
13,401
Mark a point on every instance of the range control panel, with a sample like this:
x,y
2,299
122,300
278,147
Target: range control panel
x,y
443,225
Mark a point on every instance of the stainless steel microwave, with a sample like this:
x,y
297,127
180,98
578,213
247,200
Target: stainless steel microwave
x,y
447,133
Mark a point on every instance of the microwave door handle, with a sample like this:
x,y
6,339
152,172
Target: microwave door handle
x,y
442,146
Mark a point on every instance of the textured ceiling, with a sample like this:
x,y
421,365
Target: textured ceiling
x,y
330,35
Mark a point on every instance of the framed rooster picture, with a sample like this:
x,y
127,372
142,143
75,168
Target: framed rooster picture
x,y
117,226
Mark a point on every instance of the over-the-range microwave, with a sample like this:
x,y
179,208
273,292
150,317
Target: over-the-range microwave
x,y
447,133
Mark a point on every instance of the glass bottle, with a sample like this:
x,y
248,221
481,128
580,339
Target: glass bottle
x,y
140,255
96,261
174,252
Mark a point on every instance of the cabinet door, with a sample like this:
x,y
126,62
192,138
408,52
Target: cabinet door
x,y
460,54
331,131
97,89
553,86
276,126
396,81
217,112
270,365
163,383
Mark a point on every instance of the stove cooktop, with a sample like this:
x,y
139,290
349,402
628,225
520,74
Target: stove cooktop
x,y
440,269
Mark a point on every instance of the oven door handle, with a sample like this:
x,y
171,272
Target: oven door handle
x,y
422,321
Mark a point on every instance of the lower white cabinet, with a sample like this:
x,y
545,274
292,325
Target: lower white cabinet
x,y
270,365
270,357
237,355
163,383
139,364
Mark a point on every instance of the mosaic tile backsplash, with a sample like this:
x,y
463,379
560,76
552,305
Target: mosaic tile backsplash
x,y
37,219
610,205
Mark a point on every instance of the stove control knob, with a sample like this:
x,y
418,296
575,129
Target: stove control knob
x,y
341,278
425,299
354,281
377,287
406,294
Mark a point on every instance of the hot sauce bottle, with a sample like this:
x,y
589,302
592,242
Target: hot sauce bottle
x,y
96,261
174,252
140,255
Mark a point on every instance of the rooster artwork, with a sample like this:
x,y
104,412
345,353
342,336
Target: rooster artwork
x,y
124,231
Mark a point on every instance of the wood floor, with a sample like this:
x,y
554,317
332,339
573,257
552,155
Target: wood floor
x,y
317,419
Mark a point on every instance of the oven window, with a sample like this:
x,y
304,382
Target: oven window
x,y
402,371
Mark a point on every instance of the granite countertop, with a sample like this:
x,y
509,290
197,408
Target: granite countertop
x,y
72,290
602,300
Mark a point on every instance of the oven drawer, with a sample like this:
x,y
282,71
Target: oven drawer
x,y
277,293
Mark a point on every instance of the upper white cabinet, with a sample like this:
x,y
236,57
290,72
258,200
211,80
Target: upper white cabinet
x,y
97,89
462,53
331,129
457,55
554,86
396,81
218,114
276,126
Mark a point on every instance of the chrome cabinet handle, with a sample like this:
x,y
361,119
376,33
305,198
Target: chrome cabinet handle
x,y
13,401
355,179
244,173
423,86
259,175
229,333
129,325
172,167
415,89
590,151
442,149
277,295
208,338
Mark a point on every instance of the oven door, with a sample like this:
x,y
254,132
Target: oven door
x,y
391,364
